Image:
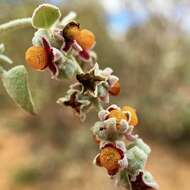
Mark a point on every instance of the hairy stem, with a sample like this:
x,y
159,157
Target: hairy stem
x,y
15,24
129,183
124,179
5,59
79,69
98,105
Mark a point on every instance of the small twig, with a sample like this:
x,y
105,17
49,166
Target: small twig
x,y
4,58
124,177
15,24
98,105
129,183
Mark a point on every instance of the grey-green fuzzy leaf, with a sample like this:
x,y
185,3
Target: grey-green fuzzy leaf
x,y
45,16
15,82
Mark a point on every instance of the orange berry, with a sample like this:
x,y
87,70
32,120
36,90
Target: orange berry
x,y
71,30
117,114
115,89
134,118
85,39
36,57
109,157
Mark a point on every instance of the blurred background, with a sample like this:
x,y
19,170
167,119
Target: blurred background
x,y
148,45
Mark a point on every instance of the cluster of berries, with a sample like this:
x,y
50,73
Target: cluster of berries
x,y
66,51
52,49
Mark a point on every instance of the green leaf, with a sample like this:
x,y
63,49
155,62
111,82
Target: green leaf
x,y
45,16
16,84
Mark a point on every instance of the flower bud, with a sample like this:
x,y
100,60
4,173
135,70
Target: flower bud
x,y
115,89
36,57
85,39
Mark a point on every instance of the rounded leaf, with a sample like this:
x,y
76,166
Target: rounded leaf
x,y
16,84
45,16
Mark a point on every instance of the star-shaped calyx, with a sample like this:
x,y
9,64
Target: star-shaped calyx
x,y
72,102
144,181
90,81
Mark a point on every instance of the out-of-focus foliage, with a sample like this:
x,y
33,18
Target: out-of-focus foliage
x,y
157,54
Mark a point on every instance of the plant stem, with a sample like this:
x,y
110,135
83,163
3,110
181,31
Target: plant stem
x,y
124,179
79,69
129,183
98,105
15,24
5,59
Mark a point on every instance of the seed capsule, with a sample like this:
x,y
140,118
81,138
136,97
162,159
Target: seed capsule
x,y
134,119
115,89
36,57
71,30
85,39
109,157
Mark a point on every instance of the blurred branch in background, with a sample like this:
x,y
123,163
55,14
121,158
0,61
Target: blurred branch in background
x,y
154,41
